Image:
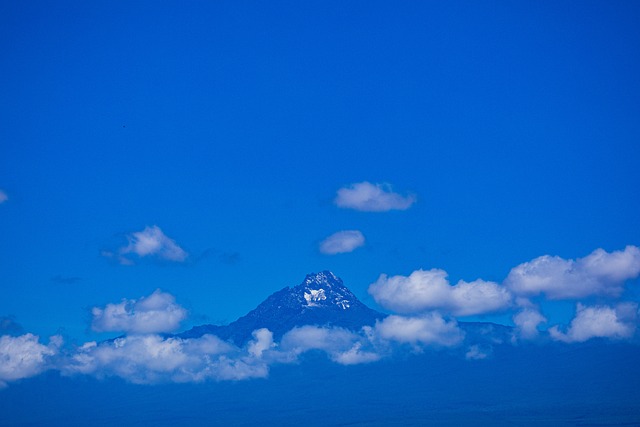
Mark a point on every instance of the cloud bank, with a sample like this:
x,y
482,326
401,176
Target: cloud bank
x,y
147,359
368,197
3,197
342,242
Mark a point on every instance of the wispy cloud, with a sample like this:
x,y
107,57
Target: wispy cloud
x,y
150,242
478,352
430,290
156,313
599,273
368,197
342,242
599,322
3,196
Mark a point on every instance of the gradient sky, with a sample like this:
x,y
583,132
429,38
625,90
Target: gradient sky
x,y
512,127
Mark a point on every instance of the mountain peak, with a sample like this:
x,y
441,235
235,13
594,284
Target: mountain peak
x,y
321,299
324,277
325,289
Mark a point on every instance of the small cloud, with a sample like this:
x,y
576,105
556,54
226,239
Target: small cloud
x,y
428,329
342,242
65,280
150,242
153,242
356,355
368,197
478,352
599,273
599,322
3,196
430,290
24,356
156,313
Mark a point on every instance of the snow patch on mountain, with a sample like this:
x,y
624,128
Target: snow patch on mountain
x,y
325,286
313,296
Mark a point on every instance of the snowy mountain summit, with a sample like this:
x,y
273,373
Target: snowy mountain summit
x,y
321,299
325,289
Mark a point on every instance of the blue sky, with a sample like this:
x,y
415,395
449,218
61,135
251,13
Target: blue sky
x,y
506,131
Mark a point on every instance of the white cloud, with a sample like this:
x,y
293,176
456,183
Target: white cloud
x,y
151,358
599,273
24,356
430,290
156,313
152,242
148,359
368,197
427,329
342,242
262,341
527,322
342,346
599,322
305,338
355,356
3,197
